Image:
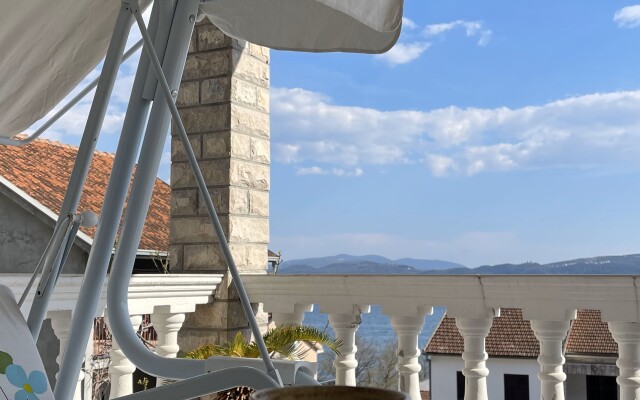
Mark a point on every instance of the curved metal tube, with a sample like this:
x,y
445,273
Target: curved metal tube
x,y
304,377
137,207
168,94
208,383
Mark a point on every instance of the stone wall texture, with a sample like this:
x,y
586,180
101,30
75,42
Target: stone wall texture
x,y
224,104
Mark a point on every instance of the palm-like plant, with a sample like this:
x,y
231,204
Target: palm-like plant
x,y
281,341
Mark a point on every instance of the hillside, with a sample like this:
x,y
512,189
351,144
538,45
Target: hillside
x,y
348,264
344,264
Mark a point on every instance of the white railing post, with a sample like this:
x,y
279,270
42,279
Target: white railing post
x,y
407,329
627,335
121,369
345,326
60,323
167,325
292,318
474,331
551,334
87,384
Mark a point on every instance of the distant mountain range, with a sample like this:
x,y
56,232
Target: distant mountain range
x,y
344,264
363,265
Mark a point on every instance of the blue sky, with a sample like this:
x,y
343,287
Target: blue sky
x,y
493,132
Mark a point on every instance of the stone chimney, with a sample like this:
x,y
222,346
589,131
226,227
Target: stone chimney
x,y
224,103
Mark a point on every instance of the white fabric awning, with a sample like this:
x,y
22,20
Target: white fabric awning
x,y
362,26
47,47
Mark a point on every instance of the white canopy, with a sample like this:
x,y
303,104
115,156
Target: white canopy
x,y
47,47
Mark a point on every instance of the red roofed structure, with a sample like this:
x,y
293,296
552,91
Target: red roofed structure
x,y
589,349
33,182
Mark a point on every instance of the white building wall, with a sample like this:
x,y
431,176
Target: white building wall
x,y
444,369
576,387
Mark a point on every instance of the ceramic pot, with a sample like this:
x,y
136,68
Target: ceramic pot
x,y
328,393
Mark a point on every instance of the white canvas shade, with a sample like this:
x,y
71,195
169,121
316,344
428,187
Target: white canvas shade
x,y
48,47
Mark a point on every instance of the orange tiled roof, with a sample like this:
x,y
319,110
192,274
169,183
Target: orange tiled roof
x,y
42,169
589,335
511,336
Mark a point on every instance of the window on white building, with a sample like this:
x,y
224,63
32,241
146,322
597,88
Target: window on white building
x,y
601,387
516,387
460,385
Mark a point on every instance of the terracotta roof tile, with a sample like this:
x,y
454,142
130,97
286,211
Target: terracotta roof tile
x,y
42,169
589,335
446,339
511,336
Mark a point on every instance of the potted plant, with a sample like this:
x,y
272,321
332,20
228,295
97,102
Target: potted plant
x,y
281,342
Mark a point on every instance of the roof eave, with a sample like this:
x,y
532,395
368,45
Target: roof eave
x,y
85,239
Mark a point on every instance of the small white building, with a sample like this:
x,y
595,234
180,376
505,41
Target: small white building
x,y
589,349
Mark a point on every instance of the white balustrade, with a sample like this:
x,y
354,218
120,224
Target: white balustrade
x,y
61,324
121,369
294,317
345,325
474,331
627,335
549,302
167,325
551,335
167,297
407,328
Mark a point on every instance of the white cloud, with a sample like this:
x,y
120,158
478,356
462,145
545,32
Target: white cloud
x,y
310,171
409,24
600,129
441,165
403,53
471,28
315,170
628,17
309,128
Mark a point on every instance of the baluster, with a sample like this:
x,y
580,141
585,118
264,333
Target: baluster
x,y
475,331
87,385
627,335
61,323
345,326
167,326
551,334
292,318
121,369
407,329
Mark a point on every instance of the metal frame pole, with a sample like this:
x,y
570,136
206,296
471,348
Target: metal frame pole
x,y
42,129
80,171
197,381
138,204
169,94
97,265
60,231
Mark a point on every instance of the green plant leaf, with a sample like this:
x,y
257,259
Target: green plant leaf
x,y
5,361
282,340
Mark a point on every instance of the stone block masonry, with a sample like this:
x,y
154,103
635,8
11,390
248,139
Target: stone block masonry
x,y
224,104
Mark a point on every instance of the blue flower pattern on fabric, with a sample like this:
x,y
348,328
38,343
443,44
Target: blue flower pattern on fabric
x,y
30,386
